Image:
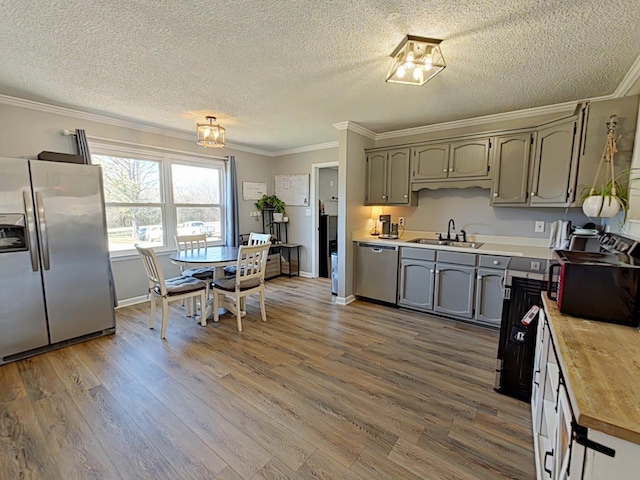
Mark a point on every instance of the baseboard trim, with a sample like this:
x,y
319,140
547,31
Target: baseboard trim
x,y
343,301
306,274
127,302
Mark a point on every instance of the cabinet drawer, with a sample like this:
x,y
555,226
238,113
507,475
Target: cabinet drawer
x,y
457,258
493,261
418,253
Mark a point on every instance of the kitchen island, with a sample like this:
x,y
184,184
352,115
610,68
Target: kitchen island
x,y
585,401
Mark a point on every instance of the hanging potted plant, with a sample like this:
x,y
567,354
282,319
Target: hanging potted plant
x,y
606,199
271,202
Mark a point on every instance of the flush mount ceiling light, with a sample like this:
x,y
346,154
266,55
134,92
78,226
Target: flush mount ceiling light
x,y
210,135
416,60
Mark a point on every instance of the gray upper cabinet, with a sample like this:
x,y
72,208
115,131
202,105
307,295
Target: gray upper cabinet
x,y
511,158
430,162
469,158
460,160
416,284
555,164
376,177
489,295
388,178
454,290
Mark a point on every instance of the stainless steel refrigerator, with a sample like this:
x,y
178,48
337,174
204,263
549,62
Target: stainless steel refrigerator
x,y
54,261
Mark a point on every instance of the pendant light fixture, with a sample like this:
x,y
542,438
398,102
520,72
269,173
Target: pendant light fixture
x,y
416,60
211,135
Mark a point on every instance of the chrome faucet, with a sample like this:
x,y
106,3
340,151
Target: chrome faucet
x,y
451,225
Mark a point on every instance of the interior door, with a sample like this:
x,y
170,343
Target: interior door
x,y
74,252
23,322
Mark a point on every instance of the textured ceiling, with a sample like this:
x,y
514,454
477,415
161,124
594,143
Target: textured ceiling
x,y
278,74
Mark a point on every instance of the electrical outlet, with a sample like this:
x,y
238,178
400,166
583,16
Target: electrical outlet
x,y
401,221
539,228
535,266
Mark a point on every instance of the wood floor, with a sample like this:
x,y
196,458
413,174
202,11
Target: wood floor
x,y
318,391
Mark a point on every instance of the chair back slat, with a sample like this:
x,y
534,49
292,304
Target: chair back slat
x,y
252,261
259,238
191,242
152,268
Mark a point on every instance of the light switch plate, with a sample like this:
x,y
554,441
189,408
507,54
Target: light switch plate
x,y
539,228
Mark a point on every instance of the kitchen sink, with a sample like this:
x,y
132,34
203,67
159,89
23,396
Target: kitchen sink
x,y
448,243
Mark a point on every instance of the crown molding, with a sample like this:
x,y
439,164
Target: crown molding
x,y
629,79
308,148
118,122
354,127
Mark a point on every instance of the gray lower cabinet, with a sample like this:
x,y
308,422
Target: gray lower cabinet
x,y
416,284
454,290
489,295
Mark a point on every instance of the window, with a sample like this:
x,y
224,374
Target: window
x,y
196,196
149,198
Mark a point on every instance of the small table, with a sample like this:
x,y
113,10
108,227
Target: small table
x,y
286,249
210,257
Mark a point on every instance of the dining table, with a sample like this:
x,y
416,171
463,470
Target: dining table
x,y
210,256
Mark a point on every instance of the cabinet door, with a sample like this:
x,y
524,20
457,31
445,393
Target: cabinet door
x,y
454,290
430,162
398,177
376,178
554,167
416,284
511,156
489,295
469,158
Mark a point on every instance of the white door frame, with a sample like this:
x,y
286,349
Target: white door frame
x,y
315,212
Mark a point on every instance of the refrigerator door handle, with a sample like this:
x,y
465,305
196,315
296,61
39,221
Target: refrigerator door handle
x,y
43,231
31,228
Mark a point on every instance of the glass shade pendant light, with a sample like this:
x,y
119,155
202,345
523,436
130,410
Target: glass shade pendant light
x,y
416,60
210,135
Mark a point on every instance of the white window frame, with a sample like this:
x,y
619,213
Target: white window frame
x,y
167,205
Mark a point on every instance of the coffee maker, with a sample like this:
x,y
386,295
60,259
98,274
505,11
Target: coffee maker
x,y
389,230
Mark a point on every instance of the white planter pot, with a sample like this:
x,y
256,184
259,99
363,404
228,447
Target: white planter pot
x,y
599,206
277,217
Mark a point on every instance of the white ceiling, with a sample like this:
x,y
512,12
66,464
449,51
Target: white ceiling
x,y
279,73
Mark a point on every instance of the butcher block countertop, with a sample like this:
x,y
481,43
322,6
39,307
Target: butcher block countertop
x,y
601,364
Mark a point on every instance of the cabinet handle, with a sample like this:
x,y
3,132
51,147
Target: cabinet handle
x,y
535,374
437,272
479,277
533,194
451,169
445,170
546,455
405,195
496,194
384,197
496,262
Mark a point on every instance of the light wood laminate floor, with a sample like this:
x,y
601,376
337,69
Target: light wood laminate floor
x,y
318,391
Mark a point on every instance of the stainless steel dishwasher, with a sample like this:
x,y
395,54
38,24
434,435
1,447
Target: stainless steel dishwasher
x,y
377,272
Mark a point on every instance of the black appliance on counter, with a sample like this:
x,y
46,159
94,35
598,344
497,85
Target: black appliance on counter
x,y
603,286
328,243
525,280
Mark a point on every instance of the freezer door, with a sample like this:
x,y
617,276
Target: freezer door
x,y
23,323
73,248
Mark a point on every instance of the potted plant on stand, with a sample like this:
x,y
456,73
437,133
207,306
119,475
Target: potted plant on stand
x,y
271,202
606,199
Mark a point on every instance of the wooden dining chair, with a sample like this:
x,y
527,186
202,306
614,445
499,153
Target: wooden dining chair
x,y
170,289
254,239
187,243
249,279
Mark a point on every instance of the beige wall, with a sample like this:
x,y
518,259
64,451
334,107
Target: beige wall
x,y
352,214
300,226
26,132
